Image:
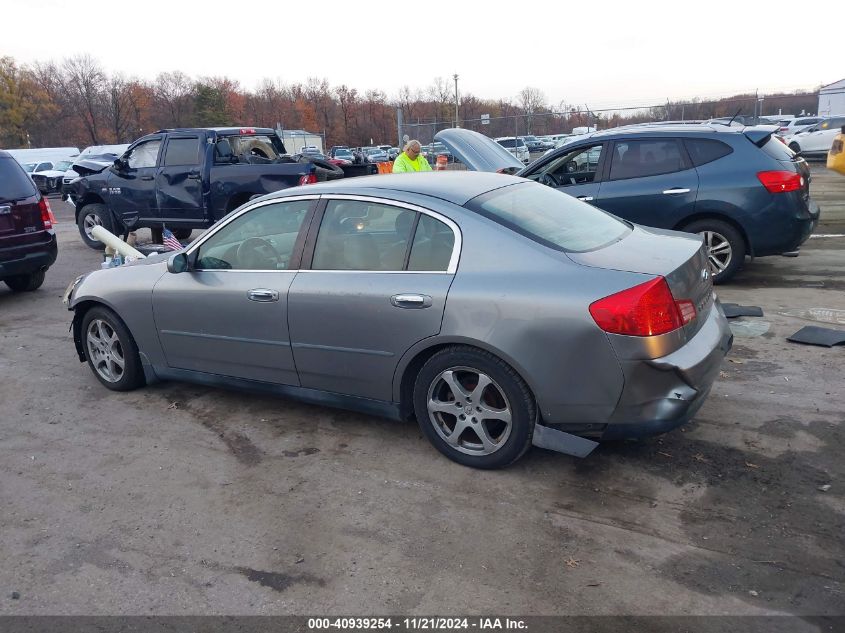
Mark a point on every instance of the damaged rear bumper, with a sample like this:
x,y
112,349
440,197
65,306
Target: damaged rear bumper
x,y
663,393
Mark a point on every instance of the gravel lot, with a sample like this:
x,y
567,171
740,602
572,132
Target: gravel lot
x,y
182,499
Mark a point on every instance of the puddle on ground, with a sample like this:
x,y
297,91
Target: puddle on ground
x,y
820,315
741,328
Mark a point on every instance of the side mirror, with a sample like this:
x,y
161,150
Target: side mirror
x,y
177,263
120,164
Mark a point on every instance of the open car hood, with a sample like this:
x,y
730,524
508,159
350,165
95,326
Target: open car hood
x,y
88,166
478,152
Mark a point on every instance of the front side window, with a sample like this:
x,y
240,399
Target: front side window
x,y
182,151
357,235
636,159
550,217
263,238
145,154
576,167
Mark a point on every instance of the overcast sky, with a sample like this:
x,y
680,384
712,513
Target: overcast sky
x,y
601,54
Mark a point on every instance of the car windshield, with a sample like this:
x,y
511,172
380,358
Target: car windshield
x,y
507,142
29,167
550,217
343,152
63,166
529,138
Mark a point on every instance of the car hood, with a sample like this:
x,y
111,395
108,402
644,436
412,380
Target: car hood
x,y
87,166
478,152
49,173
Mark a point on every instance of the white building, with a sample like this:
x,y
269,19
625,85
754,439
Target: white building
x,y
832,99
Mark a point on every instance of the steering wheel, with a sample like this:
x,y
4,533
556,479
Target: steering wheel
x,y
549,179
571,167
256,253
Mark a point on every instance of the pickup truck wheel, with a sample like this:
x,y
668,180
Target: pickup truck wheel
x,y
182,234
92,215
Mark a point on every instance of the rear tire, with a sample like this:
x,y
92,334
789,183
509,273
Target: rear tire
x,y
92,215
111,351
25,283
725,247
494,424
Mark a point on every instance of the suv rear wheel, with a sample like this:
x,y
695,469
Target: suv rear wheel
x,y
725,247
25,283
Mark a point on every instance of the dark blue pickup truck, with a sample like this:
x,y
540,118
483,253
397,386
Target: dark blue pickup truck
x,y
188,179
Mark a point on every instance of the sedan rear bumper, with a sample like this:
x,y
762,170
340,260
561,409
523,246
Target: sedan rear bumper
x,y
664,393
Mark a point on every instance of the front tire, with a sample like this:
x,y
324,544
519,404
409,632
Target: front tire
x,y
725,247
92,215
474,408
795,147
25,283
182,234
111,351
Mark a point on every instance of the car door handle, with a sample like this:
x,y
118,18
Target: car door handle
x,y
590,198
262,294
675,191
146,177
410,301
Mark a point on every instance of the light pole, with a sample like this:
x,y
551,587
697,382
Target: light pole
x,y
455,77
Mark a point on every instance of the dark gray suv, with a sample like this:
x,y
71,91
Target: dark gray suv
x,y
741,189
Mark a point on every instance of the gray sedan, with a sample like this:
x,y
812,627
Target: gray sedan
x,y
498,312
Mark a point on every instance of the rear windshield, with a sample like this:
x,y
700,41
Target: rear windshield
x,y
778,149
550,217
14,183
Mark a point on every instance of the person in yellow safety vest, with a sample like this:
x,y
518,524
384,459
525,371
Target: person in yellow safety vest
x,y
411,159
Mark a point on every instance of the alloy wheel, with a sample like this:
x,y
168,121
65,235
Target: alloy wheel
x,y
105,350
719,251
469,411
89,222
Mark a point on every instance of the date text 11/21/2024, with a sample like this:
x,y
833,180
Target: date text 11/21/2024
x,y
417,624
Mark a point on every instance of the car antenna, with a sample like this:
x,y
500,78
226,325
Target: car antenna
x,y
734,116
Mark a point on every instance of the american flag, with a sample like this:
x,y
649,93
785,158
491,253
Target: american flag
x,y
170,241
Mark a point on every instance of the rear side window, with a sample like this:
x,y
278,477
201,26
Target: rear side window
x,y
778,149
14,183
703,151
182,151
550,217
433,245
636,159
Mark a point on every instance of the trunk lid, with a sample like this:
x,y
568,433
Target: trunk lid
x,y
479,152
682,261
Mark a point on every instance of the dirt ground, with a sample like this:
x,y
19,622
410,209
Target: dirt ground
x,y
179,499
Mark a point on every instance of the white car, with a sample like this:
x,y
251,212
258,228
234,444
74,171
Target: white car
x,y
49,179
515,146
788,127
816,139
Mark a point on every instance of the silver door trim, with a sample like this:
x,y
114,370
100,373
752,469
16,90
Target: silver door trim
x,y
675,191
214,228
451,269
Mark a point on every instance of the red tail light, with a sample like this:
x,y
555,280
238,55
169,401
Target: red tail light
x,y
648,309
781,181
310,179
247,130
47,216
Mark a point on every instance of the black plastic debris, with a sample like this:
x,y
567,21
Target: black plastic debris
x,y
733,310
814,335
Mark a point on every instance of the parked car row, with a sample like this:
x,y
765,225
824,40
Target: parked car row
x,y
815,140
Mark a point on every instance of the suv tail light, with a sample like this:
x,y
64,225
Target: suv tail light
x,y
47,217
781,181
648,309
309,179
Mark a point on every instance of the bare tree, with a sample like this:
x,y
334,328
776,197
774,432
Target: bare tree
x,y
120,111
174,92
84,83
531,100
347,98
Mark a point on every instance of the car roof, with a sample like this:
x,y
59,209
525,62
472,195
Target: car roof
x,y
221,130
457,187
663,130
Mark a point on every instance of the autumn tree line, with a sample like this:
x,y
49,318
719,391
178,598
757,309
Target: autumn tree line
x,y
75,102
